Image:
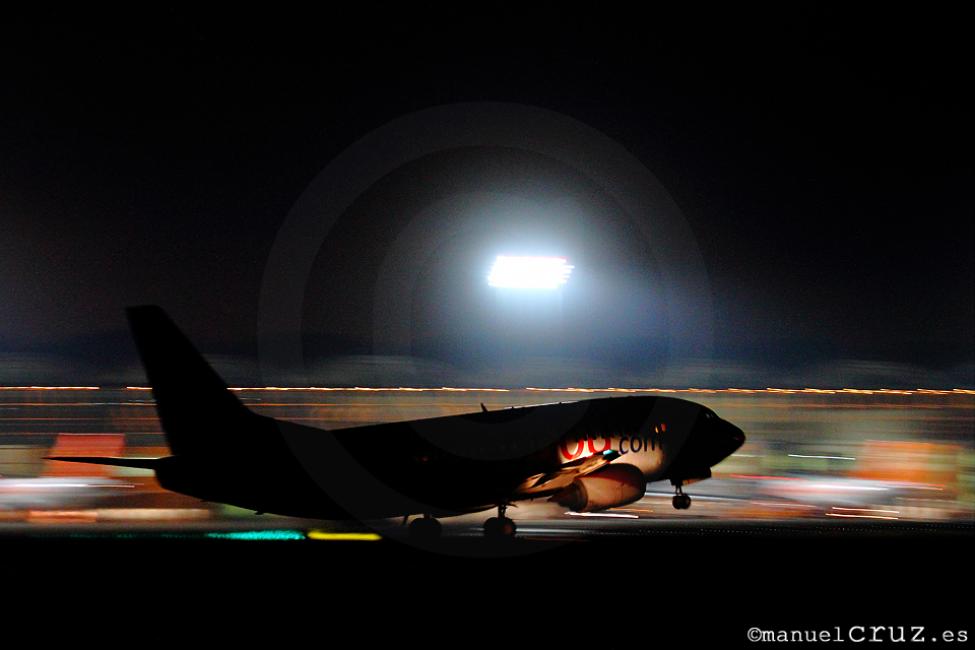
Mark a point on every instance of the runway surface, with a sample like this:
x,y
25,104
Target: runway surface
x,y
698,583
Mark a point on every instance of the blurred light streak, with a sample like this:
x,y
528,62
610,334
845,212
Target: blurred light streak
x,y
321,535
150,514
834,486
608,515
834,514
40,516
889,512
823,457
49,484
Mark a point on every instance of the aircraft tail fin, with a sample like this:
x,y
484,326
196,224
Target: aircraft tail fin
x,y
199,415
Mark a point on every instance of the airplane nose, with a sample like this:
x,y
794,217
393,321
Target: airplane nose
x,y
712,440
730,438
736,435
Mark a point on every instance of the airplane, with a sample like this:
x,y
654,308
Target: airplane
x,y
585,455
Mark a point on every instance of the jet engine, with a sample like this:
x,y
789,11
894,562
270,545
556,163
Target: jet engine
x,y
608,487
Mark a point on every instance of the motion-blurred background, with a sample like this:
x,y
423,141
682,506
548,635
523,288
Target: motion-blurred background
x,y
879,455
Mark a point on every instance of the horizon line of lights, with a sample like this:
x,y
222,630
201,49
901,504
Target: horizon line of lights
x,y
572,389
50,387
568,389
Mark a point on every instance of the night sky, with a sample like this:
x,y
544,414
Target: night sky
x,y
823,161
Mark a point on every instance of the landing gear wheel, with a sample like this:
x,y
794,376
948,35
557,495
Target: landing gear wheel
x,y
492,527
425,529
500,527
497,528
681,501
508,528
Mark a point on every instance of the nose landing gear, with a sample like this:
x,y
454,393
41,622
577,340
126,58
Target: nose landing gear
x,y
681,501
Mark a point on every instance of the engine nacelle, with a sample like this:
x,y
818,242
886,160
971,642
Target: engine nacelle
x,y
611,486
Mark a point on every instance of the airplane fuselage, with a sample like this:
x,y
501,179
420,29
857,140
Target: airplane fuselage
x,y
456,464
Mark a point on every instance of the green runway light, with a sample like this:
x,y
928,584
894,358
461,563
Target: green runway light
x,y
259,535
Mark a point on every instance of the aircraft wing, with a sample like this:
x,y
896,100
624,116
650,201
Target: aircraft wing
x,y
556,480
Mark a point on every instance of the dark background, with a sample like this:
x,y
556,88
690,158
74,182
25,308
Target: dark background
x,y
822,158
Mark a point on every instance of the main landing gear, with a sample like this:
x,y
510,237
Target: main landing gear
x,y
425,529
500,527
428,529
681,500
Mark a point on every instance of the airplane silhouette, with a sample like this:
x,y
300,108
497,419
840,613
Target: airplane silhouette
x,y
587,455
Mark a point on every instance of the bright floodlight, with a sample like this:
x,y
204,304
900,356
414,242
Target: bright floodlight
x,y
529,272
